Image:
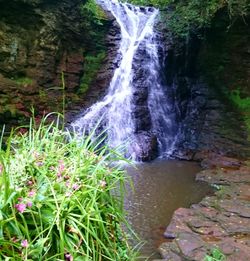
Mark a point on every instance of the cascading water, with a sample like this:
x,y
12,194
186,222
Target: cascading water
x,y
135,111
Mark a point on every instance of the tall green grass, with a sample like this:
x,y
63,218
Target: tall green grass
x,y
61,198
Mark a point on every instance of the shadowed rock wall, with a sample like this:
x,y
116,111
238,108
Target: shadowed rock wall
x,y
40,39
202,72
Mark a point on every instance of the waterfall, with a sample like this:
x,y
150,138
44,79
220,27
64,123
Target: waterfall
x,y
135,111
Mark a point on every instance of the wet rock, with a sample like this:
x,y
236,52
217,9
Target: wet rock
x,y
218,221
176,226
225,176
207,121
145,146
167,253
188,242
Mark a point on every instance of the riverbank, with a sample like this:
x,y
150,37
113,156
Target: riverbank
x,y
221,220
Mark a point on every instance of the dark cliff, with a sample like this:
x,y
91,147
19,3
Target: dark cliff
x,y
203,72
40,39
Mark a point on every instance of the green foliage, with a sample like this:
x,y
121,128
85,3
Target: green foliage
x,y
92,64
243,104
187,16
23,81
97,26
94,11
215,255
59,198
194,15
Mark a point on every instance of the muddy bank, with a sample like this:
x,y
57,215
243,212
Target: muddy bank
x,y
221,220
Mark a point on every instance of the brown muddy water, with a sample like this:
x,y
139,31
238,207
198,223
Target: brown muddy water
x,y
160,187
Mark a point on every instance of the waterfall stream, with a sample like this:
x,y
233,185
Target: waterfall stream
x,y
135,112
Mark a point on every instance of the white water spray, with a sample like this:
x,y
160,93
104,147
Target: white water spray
x,y
116,109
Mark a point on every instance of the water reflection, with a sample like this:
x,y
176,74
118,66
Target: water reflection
x,y
160,188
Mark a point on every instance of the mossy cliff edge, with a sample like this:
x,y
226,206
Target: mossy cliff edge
x,y
39,40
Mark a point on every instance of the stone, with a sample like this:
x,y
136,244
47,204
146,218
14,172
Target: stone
x,y
188,242
145,146
219,221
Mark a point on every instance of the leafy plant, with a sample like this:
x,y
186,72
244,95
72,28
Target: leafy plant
x,y
215,255
61,198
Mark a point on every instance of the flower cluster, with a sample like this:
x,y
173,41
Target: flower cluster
x,y
24,203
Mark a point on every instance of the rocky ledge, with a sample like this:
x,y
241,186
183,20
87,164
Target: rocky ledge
x,y
221,220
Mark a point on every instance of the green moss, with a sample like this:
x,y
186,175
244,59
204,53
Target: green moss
x,y
215,255
92,65
23,81
97,24
243,104
9,108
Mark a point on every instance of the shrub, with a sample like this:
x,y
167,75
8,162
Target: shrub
x,y
59,199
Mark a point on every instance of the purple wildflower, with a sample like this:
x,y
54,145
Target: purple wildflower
x,y
61,168
31,193
39,163
29,204
24,243
75,186
21,207
30,183
1,169
36,155
68,257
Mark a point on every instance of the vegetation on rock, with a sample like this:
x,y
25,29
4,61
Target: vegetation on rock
x,y
95,19
215,255
92,65
188,16
243,105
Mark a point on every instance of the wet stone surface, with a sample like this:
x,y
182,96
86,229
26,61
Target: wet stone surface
x,y
219,221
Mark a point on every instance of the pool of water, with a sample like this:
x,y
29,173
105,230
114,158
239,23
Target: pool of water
x,y
160,187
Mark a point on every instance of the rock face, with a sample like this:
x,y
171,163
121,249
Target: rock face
x,y
207,120
101,82
146,146
40,39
